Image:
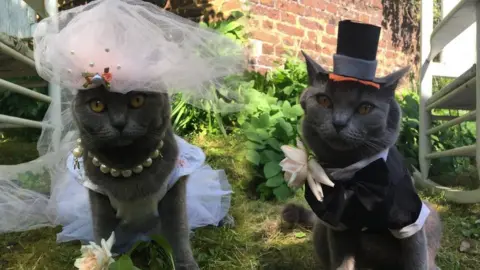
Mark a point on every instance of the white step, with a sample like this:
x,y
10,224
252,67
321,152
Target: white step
x,y
458,95
457,21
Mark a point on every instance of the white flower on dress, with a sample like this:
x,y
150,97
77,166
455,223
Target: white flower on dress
x,y
298,169
96,257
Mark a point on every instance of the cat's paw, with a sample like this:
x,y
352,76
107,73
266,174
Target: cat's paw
x,y
291,213
228,221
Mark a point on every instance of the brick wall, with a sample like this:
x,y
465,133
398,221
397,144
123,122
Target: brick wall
x,y
286,26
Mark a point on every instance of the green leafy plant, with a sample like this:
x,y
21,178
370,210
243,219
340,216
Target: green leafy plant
x,y
39,182
13,104
271,120
156,254
232,27
471,228
187,118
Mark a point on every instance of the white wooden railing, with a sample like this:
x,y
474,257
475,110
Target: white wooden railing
x,y
457,36
42,7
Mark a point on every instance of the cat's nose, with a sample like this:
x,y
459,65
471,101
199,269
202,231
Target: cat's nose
x,y
339,126
119,125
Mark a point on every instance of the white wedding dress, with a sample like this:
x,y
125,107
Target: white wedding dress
x,y
208,198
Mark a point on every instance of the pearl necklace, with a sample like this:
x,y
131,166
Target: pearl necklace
x,y
78,152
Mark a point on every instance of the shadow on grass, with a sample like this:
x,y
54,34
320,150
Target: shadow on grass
x,y
287,257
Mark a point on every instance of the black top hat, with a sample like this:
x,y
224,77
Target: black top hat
x,y
355,60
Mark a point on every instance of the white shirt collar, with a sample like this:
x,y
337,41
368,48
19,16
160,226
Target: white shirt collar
x,y
348,172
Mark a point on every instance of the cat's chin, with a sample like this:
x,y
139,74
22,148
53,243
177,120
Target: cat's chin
x,y
115,143
122,142
338,144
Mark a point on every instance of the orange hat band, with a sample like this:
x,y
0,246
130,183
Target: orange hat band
x,y
340,78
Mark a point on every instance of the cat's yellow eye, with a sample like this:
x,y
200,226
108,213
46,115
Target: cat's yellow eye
x,y
324,101
97,106
137,101
365,109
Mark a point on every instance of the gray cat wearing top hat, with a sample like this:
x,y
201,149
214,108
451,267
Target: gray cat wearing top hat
x,y
372,218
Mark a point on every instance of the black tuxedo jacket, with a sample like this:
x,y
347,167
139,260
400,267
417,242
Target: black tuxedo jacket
x,y
379,197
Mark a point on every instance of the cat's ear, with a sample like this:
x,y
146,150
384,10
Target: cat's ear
x,y
315,71
392,79
389,83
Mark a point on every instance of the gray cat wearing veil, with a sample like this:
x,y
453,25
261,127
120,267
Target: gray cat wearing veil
x,y
119,132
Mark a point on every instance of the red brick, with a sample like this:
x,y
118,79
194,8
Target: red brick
x,y
318,4
311,24
232,5
382,43
290,30
364,18
332,8
377,4
310,45
390,45
264,36
331,29
270,3
313,54
279,51
311,12
291,6
312,35
267,24
326,60
262,70
288,17
271,13
333,20
288,41
354,16
268,60
376,20
267,49
329,40
253,23
328,50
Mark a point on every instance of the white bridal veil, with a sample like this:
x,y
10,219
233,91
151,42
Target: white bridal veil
x,y
126,45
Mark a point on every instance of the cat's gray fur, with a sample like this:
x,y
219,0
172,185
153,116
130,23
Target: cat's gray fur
x,y
122,137
358,137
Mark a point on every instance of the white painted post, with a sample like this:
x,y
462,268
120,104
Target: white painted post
x,y
478,89
426,28
54,88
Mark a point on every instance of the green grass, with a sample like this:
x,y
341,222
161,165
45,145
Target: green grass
x,y
257,241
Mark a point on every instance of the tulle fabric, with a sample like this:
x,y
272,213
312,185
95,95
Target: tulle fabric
x,y
208,198
145,48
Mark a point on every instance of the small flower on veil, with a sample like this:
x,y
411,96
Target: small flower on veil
x,y
298,169
96,257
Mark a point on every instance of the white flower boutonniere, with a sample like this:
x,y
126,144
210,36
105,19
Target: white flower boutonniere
x,y
298,169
